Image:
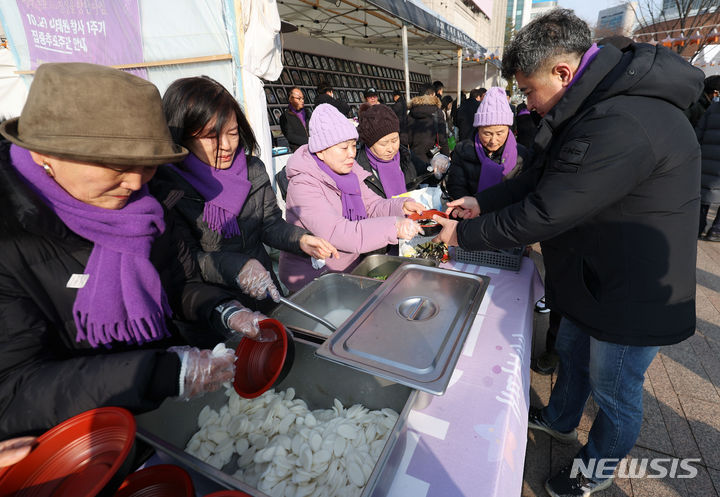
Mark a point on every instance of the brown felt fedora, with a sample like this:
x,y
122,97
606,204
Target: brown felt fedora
x,y
93,113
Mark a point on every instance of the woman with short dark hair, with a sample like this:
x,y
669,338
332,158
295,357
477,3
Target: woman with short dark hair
x,y
226,203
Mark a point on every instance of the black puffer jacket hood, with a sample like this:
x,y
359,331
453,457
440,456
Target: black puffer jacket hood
x,y
642,70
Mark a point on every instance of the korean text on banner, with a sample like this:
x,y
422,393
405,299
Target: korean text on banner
x,y
97,31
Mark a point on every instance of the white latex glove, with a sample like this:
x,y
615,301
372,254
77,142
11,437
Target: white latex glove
x,y
256,281
439,164
203,370
407,228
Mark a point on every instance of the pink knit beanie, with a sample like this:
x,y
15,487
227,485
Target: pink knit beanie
x,y
329,127
494,109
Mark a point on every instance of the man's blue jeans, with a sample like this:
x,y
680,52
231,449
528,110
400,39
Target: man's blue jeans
x,y
614,374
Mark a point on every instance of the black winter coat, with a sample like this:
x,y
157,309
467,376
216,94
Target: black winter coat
x,y
324,98
464,173
426,123
465,118
614,198
696,111
45,375
401,111
407,165
292,128
260,220
708,134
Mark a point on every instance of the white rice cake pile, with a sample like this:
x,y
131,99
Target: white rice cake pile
x,y
285,450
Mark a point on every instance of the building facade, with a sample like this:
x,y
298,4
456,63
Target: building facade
x,y
540,7
620,20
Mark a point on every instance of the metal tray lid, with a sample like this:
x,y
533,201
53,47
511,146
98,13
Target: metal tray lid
x,y
412,328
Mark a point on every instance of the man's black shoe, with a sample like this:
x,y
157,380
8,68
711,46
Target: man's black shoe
x,y
564,485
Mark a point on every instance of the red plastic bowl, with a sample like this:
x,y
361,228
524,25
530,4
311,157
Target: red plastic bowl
x,y
428,215
261,364
77,458
163,480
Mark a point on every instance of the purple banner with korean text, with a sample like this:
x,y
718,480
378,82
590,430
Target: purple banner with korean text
x,y
103,32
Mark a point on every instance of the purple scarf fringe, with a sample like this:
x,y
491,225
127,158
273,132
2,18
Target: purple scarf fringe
x,y
353,208
224,190
123,299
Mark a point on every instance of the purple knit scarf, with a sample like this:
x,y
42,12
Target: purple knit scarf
x,y
123,299
300,115
353,208
224,191
492,173
391,176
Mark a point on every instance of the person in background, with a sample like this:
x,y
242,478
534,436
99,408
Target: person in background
x,y
526,125
371,96
400,110
613,197
93,277
391,166
427,134
438,88
466,114
491,155
325,95
508,94
446,106
294,120
327,195
226,205
710,94
708,134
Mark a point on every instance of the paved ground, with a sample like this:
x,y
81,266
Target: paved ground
x,y
681,403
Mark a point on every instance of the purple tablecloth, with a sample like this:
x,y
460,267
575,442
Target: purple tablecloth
x,y
471,441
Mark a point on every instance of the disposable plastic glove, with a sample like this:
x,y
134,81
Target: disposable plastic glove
x,y
439,164
407,228
254,280
247,322
203,370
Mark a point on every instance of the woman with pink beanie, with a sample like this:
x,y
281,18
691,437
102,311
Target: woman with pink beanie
x,y
328,196
492,154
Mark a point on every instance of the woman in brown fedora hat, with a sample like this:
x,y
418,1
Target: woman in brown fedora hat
x,y
228,207
90,269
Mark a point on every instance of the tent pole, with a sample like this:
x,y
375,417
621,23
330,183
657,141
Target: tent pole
x,y
485,75
406,64
459,56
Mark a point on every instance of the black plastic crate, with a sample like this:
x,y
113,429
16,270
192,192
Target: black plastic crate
x,y
502,259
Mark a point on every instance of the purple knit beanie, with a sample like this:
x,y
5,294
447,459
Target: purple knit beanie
x,y
494,109
329,127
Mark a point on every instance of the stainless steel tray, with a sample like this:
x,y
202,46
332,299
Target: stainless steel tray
x,y
378,265
412,328
318,382
332,296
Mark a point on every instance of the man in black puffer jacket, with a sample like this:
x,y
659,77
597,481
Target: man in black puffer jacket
x,y
708,134
613,195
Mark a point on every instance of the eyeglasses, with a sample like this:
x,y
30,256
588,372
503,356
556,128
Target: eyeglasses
x,y
297,98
